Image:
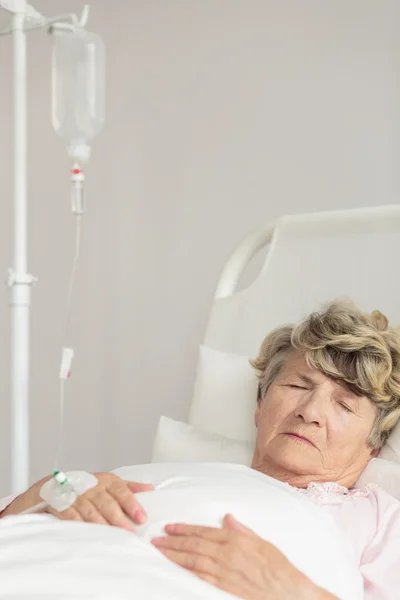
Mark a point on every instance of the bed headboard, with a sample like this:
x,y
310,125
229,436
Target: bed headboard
x,y
312,259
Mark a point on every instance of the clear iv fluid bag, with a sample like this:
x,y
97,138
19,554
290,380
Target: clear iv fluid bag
x,y
78,86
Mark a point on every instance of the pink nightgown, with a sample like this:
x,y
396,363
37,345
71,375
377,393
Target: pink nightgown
x,y
370,520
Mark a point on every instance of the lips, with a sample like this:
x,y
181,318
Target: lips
x,y
299,437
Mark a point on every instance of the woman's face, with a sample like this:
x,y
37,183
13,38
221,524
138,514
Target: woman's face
x,y
311,428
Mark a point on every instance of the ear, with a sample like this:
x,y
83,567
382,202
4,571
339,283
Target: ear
x,y
375,452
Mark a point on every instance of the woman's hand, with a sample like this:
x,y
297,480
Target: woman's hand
x,y
111,502
237,561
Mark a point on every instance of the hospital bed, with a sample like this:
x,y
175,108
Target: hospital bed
x,y
310,260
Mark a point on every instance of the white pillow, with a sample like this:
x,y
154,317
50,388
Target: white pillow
x,y
391,450
384,473
225,395
180,442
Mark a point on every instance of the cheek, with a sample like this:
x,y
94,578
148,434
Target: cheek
x,y
274,410
340,428
348,432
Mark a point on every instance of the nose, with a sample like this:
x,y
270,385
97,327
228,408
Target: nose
x,y
312,408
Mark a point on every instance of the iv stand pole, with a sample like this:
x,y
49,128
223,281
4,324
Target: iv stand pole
x,y
19,280
24,18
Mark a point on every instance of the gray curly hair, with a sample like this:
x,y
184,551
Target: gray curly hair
x,y
358,349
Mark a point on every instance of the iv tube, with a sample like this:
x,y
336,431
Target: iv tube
x,y
78,112
67,356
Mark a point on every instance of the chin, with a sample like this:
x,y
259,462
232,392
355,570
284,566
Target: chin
x,y
297,462
298,467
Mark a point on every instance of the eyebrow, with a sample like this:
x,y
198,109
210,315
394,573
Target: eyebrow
x,y
306,379
301,376
350,395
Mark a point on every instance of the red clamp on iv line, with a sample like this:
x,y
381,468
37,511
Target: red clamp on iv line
x,y
77,197
66,362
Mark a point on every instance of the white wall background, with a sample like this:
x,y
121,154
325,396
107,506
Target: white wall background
x,y
222,115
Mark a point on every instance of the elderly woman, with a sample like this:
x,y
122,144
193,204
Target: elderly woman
x,y
329,398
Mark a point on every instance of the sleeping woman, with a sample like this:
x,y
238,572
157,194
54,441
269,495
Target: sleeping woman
x,y
292,526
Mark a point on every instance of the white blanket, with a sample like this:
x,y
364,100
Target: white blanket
x,y
41,557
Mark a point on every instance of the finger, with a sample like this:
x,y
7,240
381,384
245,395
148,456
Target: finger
x,y
193,545
212,579
111,511
208,533
136,488
192,562
127,501
89,512
230,522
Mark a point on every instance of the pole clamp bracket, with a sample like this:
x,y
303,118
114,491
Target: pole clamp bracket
x,y
15,279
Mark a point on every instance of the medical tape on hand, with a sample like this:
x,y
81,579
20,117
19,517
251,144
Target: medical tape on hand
x,y
62,490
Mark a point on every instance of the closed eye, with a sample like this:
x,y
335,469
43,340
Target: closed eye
x,y
297,387
346,408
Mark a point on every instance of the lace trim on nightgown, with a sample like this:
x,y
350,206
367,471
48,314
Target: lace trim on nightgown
x,y
330,492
